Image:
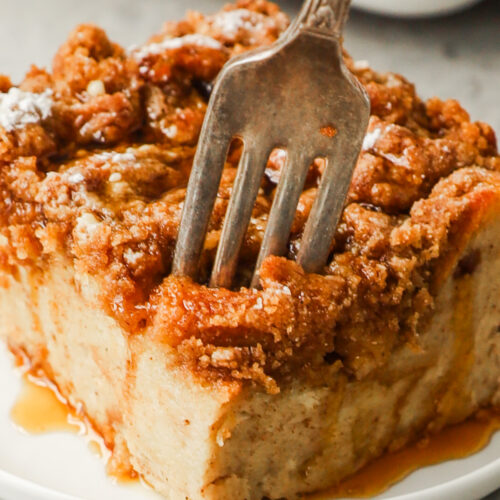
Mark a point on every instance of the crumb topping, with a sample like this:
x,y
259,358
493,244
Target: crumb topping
x,y
18,108
192,40
95,157
245,25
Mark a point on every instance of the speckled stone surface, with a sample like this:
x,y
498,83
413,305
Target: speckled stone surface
x,y
456,56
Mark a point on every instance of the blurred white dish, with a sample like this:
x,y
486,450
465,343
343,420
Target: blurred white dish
x,y
413,8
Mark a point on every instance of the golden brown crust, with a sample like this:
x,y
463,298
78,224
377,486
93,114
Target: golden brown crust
x,y
102,179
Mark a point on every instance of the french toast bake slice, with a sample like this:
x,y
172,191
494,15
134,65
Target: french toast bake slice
x,y
216,393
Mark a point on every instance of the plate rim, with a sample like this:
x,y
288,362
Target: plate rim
x,y
482,481
17,484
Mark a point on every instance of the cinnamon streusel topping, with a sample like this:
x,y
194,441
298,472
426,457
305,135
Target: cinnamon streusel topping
x,y
94,160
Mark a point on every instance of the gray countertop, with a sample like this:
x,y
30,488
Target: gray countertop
x,y
452,57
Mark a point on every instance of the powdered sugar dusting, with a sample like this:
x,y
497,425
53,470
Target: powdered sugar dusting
x,y
76,178
361,65
230,23
19,108
115,177
115,157
393,81
371,138
131,257
171,131
176,43
87,226
399,160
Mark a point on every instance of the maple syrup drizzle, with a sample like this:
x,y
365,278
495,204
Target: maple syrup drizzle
x,y
40,408
455,442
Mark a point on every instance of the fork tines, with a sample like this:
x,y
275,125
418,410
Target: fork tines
x,y
295,95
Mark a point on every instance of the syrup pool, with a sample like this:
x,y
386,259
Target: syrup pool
x,y
40,408
455,442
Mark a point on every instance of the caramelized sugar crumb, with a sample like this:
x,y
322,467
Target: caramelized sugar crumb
x,y
101,178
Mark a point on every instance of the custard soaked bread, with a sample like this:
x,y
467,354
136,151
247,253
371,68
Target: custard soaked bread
x,y
240,394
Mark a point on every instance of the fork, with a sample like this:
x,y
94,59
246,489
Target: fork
x,y
296,95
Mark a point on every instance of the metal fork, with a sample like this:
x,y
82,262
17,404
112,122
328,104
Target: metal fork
x,y
296,95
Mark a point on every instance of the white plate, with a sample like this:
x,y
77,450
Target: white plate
x,y
60,466
413,8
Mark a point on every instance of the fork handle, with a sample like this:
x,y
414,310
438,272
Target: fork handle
x,y
326,17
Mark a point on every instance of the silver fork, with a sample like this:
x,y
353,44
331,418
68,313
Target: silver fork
x,y
296,95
